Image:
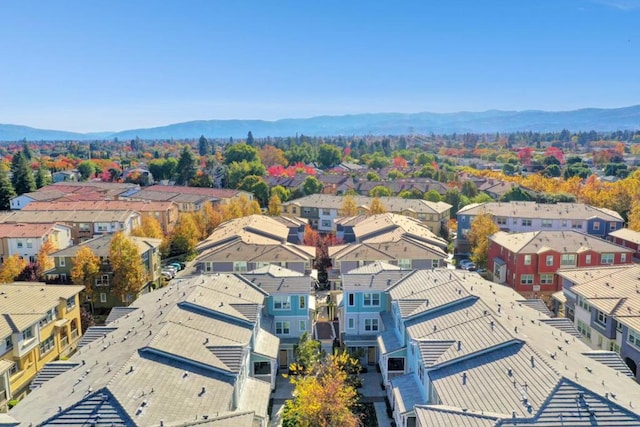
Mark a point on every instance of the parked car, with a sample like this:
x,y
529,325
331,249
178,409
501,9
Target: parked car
x,y
173,270
178,266
166,275
468,265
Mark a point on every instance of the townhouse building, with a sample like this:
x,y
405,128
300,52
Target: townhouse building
x,y
528,262
290,306
627,238
363,308
321,210
463,351
73,191
604,304
252,242
394,239
193,353
39,323
518,217
188,199
26,240
84,224
102,299
166,213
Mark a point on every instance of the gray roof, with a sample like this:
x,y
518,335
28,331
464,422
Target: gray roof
x,y
391,204
539,210
568,241
279,280
610,359
536,304
406,392
443,416
376,276
101,246
184,343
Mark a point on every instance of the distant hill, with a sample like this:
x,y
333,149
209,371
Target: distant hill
x,y
598,119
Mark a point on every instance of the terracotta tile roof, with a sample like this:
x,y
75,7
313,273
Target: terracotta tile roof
x,y
26,230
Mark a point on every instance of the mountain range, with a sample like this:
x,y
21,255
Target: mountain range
x,y
598,119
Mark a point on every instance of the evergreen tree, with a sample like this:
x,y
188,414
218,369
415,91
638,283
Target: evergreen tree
x,y
187,167
23,180
6,190
43,177
204,147
250,140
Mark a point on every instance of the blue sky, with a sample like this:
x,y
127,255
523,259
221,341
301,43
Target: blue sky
x,y
112,65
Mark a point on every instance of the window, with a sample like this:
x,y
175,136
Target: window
x,y
84,227
103,227
583,304
371,325
27,333
306,210
127,298
587,259
633,338
596,226
568,259
261,368
619,327
613,225
546,279
61,261
19,244
282,328
547,223
601,318
549,261
326,223
576,224
239,266
583,328
527,260
302,301
71,302
526,223
281,302
501,220
103,297
395,364
29,243
326,211
404,264
102,280
606,259
48,318
371,299
526,279
623,257
351,323
351,299
302,326
46,346
435,263
515,221
8,343
13,369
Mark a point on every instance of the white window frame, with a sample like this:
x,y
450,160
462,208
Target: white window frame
x,y
601,318
371,325
103,297
546,278
549,261
404,264
283,327
369,299
526,222
240,266
623,257
527,259
547,223
587,259
62,262
281,302
302,325
526,279
351,299
351,323
568,259
607,258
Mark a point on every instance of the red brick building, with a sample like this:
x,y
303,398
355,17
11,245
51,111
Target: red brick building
x,y
528,261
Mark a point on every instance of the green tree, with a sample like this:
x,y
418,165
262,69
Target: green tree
x,y
379,161
380,191
456,199
23,180
169,168
372,176
239,170
469,189
303,153
239,153
414,193
87,169
282,193
482,227
204,147
187,166
250,140
432,196
516,194
256,185
311,185
6,190
329,156
129,275
43,177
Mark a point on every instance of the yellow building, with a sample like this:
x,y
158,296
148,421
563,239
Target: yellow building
x,y
38,324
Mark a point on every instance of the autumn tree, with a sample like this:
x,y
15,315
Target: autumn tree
x,y
349,207
271,156
275,205
634,216
185,236
482,227
86,266
11,268
322,398
129,275
6,190
149,227
45,262
376,207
